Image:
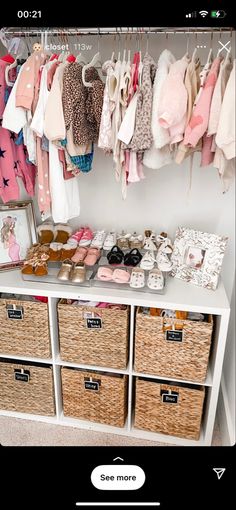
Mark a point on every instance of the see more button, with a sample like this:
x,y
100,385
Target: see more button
x,y
118,478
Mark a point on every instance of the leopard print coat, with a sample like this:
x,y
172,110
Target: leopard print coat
x,y
82,105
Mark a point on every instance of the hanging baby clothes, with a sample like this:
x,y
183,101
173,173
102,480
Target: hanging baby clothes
x,y
198,123
13,156
225,137
159,153
17,118
105,134
132,163
192,84
114,91
82,105
172,109
54,122
218,94
64,194
142,137
224,166
37,125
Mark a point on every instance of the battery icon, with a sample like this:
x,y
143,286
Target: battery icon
x,y
218,14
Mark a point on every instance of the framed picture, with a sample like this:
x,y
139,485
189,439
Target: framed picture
x,y
17,233
197,257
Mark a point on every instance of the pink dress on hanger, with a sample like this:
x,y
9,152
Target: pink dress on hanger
x,y
13,158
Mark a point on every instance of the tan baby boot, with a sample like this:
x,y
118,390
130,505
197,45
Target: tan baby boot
x,y
55,252
62,233
67,251
45,233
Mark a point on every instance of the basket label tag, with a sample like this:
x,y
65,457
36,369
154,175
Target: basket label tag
x,y
167,398
15,313
94,323
174,335
22,375
91,385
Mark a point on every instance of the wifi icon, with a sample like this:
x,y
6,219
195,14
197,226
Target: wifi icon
x,y
203,13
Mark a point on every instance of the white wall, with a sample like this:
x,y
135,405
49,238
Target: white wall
x,y
162,201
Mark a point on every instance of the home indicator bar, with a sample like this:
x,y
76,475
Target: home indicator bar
x,y
156,503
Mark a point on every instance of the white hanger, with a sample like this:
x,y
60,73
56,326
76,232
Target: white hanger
x,y
80,59
61,57
210,55
194,54
96,59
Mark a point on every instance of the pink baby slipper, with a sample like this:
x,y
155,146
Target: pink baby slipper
x,y
121,276
92,256
79,255
104,273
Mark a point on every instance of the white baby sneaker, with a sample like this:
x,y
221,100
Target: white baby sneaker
x,y
148,261
149,244
110,241
98,240
163,262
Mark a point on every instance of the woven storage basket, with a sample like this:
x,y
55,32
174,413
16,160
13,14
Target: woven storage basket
x,y
106,403
182,419
106,346
28,336
186,359
26,388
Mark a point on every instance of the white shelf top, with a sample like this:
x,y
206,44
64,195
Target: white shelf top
x,y
178,294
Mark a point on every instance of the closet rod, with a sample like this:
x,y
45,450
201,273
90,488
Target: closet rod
x,y
118,31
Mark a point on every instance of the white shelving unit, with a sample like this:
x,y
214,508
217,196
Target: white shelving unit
x,y
178,295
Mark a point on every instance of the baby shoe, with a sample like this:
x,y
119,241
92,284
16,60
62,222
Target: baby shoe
x,y
136,241
155,279
92,256
31,259
64,273
67,251
62,233
132,258
45,233
115,256
55,251
148,260
75,238
110,241
123,240
41,268
121,276
104,273
163,241
137,280
72,242
98,239
80,254
163,262
149,244
78,273
86,238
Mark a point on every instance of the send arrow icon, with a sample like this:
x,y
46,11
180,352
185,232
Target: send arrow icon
x,y
219,472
